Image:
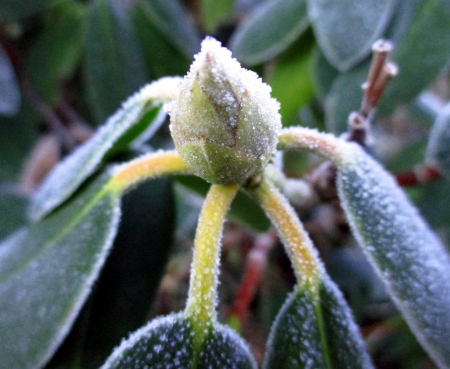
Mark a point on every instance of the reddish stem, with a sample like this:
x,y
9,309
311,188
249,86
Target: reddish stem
x,y
419,175
254,268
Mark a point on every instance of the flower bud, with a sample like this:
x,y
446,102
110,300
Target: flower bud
x,y
224,123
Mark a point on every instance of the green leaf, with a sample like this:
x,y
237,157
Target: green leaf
x,y
56,52
324,74
172,20
9,90
346,29
316,332
420,53
18,135
168,342
401,20
434,202
401,246
130,278
47,271
113,59
344,97
438,150
13,204
255,219
138,113
161,57
254,42
214,13
291,80
12,10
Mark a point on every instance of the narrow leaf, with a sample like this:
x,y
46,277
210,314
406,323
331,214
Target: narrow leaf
x,y
419,53
70,173
255,42
46,273
173,21
129,281
169,343
162,58
346,29
114,64
402,248
438,150
406,253
9,90
315,333
56,52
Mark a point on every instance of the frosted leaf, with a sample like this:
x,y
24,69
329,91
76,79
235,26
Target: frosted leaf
x,y
253,42
438,150
224,348
46,273
163,343
224,123
405,252
168,343
71,172
316,334
346,29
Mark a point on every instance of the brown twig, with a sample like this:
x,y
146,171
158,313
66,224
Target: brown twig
x,y
380,73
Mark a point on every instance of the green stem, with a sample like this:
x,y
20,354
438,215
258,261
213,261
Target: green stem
x,y
307,267
146,167
205,265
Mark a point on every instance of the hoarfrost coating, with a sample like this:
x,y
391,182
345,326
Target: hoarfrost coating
x,y
404,250
224,123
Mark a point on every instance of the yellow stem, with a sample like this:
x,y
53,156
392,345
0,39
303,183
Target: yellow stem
x,y
146,167
323,144
205,265
303,255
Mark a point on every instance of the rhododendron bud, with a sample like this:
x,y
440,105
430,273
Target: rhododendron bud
x,y
224,123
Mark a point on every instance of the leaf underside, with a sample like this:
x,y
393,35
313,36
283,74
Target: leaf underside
x,y
403,249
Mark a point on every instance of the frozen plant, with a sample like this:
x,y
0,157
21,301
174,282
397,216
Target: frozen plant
x,y
226,128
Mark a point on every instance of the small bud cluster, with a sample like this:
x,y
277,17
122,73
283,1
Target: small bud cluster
x,y
224,123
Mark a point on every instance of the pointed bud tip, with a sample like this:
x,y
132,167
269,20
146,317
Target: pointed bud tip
x,y
224,123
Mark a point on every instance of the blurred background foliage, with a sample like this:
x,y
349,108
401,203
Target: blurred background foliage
x,y
66,65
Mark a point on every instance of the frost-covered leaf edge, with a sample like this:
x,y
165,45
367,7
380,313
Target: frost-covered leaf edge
x,y
354,159
72,171
63,328
169,320
438,148
263,15
337,351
